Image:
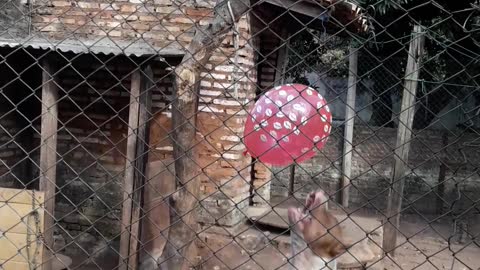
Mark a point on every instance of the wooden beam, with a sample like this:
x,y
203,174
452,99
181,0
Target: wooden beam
x,y
144,115
48,157
402,148
135,166
440,206
349,122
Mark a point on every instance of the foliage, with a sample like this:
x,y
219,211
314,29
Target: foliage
x,y
314,51
384,6
452,43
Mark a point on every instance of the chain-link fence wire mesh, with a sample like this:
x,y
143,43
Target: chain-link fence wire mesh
x,y
100,51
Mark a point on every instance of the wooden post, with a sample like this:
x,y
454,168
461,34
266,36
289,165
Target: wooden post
x,y
48,157
442,174
348,131
403,140
135,166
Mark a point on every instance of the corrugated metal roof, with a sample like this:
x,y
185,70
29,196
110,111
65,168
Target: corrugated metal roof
x,y
97,46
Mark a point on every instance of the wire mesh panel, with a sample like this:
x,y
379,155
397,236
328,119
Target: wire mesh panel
x,y
124,142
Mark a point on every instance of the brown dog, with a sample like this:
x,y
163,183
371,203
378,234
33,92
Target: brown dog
x,y
316,236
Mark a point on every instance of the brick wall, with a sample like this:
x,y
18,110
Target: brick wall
x,y
93,138
372,169
161,23
222,114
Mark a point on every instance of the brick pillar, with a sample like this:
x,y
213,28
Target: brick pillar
x,y
226,172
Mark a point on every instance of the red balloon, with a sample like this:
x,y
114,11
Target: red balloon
x,y
286,124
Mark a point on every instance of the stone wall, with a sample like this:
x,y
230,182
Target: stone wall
x,y
372,168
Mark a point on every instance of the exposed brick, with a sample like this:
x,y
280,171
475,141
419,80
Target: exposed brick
x,y
202,12
128,8
126,17
88,5
62,3
148,18
181,20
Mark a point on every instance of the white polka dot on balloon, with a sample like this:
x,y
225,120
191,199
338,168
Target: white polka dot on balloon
x,y
268,112
292,116
324,118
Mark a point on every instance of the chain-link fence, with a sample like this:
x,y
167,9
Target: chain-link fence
x,y
123,139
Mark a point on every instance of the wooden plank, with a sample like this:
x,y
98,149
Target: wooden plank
x,y
16,213
139,115
160,184
128,183
141,158
48,154
348,131
23,196
407,112
14,247
11,265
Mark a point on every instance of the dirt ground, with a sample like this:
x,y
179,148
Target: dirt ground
x,y
425,250
422,245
